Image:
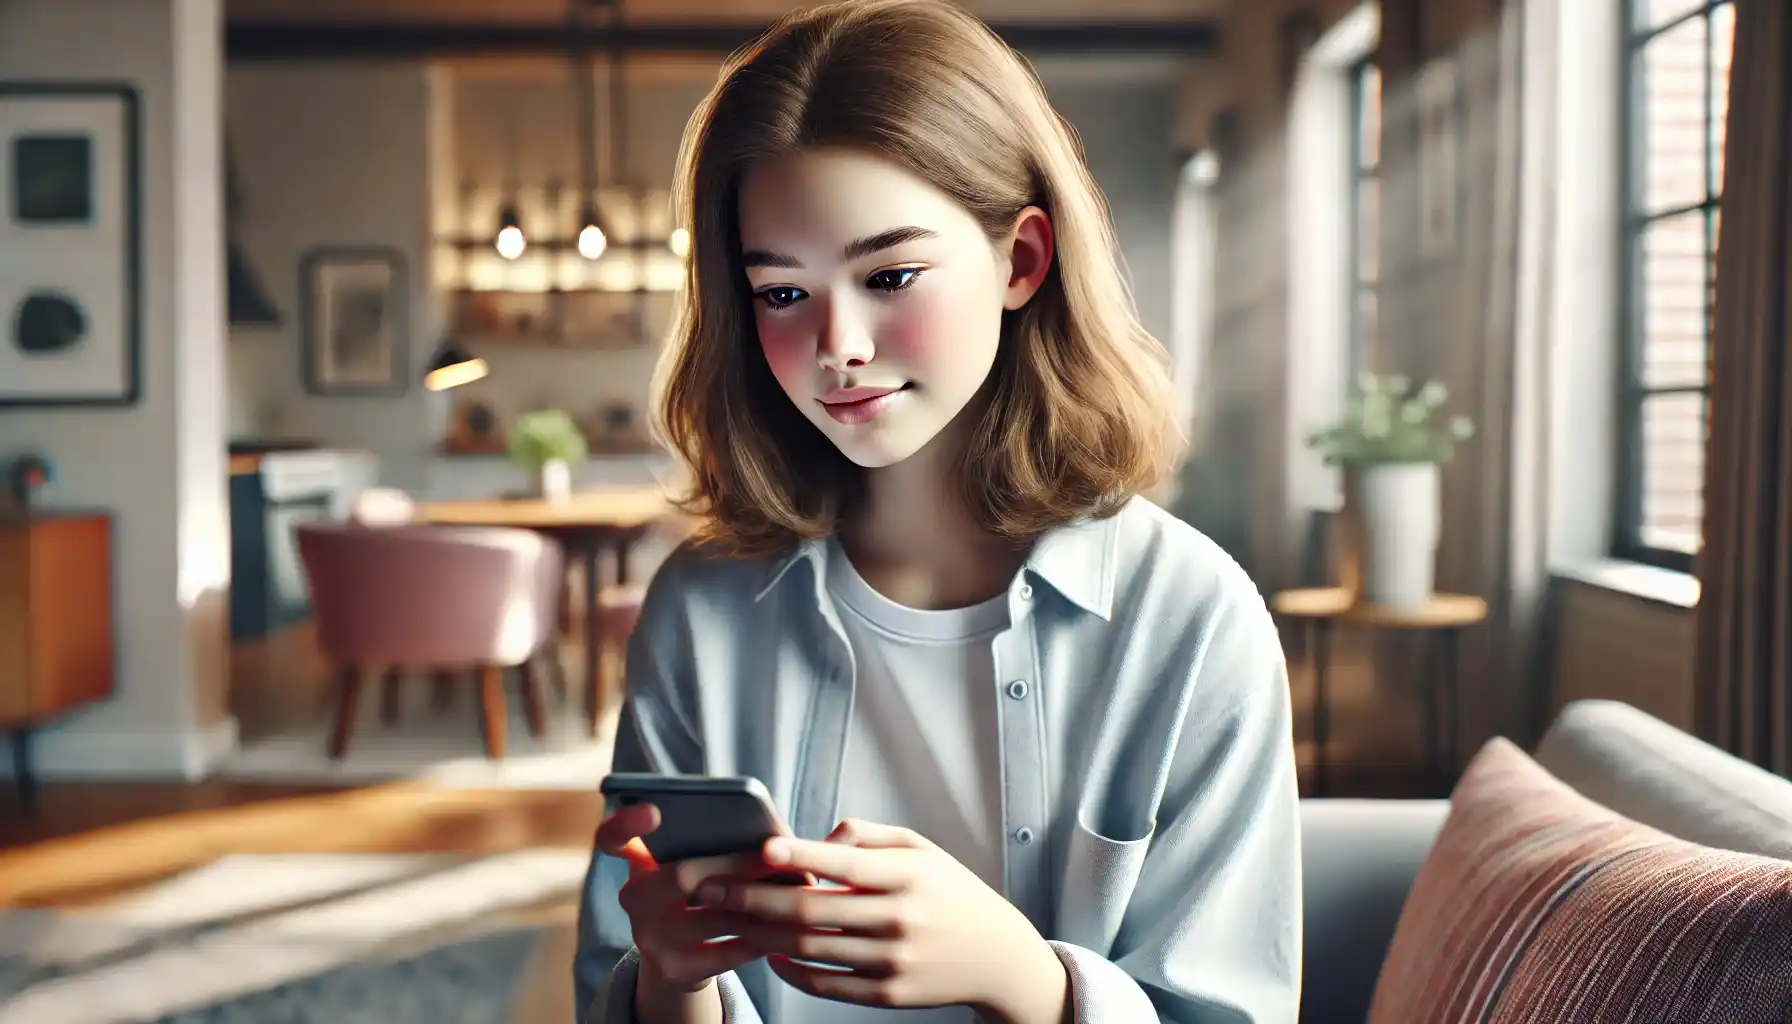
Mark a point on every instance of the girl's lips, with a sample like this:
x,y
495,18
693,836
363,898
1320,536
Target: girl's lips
x,y
861,410
846,396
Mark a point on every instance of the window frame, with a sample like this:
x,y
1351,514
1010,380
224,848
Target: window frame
x,y
1357,345
1635,219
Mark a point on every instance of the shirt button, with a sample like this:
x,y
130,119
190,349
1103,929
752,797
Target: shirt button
x,y
1023,835
1026,592
1018,689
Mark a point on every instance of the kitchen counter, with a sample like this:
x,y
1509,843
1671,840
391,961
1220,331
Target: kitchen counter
x,y
270,493
470,477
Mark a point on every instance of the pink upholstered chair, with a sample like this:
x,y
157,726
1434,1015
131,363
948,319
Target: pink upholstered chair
x,y
434,597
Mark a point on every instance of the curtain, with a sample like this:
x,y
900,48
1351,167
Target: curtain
x,y
1744,647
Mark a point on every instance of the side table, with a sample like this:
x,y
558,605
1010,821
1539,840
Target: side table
x,y
1442,619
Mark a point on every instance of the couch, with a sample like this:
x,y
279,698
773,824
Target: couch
x,y
1360,856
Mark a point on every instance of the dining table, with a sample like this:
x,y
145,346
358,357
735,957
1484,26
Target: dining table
x,y
587,525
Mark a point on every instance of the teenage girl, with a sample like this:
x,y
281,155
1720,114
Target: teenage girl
x,y
1035,729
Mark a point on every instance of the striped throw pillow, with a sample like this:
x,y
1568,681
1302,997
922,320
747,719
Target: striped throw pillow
x,y
1537,905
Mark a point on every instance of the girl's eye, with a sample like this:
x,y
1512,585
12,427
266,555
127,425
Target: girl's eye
x,y
894,279
779,296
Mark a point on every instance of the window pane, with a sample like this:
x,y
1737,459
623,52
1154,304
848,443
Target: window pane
x,y
1716,224
1650,13
1368,233
1723,41
1367,323
1671,85
1675,279
1673,436
1368,98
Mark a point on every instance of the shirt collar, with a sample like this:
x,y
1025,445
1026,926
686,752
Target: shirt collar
x,y
1078,560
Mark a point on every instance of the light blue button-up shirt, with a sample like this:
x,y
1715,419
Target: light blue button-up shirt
x,y
1149,797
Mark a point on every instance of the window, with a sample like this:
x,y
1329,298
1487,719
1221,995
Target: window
x,y
1677,95
1365,205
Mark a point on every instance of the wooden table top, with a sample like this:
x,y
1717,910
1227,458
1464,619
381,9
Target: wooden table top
x,y
1443,611
619,508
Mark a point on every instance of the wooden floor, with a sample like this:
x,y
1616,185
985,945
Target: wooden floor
x,y
90,842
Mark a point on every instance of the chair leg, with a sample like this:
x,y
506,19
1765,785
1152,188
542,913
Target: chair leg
x,y
550,661
491,711
347,704
441,684
389,696
532,705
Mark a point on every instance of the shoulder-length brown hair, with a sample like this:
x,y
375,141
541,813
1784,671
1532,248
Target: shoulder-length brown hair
x,y
1077,415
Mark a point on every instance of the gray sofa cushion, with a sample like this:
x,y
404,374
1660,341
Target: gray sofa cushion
x,y
1359,858
1651,772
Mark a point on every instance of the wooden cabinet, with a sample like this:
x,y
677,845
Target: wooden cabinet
x,y
56,636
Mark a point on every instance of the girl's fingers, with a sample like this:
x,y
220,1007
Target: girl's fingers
x,y
620,832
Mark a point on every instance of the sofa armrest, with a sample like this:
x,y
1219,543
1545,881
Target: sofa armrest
x,y
1358,861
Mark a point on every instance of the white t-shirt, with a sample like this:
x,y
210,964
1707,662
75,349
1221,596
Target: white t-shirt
x,y
924,706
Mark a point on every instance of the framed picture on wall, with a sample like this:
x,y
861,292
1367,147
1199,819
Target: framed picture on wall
x,y
353,321
70,258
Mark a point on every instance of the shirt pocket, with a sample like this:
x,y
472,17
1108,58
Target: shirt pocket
x,y
1099,877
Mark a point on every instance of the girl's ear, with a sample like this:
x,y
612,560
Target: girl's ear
x,y
1029,256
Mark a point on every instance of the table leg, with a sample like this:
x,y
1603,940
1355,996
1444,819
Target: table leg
x,y
1452,704
1433,681
1322,705
624,545
24,779
589,550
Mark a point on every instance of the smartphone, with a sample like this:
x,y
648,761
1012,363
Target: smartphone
x,y
702,815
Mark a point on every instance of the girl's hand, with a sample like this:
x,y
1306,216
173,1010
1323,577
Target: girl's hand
x,y
682,947
915,929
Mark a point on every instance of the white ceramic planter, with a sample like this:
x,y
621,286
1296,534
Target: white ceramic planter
x,y
554,480
1395,520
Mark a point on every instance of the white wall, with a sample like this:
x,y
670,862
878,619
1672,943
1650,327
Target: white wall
x,y
1126,120
158,466
332,154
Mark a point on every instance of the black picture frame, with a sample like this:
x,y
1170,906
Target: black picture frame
x,y
339,284
129,391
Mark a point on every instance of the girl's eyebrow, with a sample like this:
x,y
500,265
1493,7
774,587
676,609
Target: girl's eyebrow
x,y
857,249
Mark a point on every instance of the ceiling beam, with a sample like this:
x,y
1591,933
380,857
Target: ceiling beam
x,y
271,40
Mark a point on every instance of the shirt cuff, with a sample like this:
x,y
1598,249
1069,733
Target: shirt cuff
x,y
1100,991
615,1003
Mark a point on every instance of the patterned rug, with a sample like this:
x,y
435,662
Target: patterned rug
x,y
292,939
474,981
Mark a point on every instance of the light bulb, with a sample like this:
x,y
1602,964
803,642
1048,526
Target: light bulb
x,y
511,243
680,242
592,242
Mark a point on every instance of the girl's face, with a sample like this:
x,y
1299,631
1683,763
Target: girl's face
x,y
878,299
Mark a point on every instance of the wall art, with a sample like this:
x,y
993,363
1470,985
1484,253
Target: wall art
x,y
354,326
70,244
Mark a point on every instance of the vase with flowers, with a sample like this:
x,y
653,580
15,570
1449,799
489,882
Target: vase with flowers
x,y
1390,444
547,442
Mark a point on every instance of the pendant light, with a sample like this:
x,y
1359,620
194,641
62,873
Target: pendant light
x,y
453,366
510,241
593,240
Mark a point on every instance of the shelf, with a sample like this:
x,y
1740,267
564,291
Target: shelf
x,y
588,320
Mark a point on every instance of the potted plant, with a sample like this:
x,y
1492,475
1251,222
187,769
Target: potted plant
x,y
547,442
1390,444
